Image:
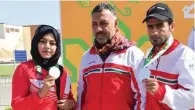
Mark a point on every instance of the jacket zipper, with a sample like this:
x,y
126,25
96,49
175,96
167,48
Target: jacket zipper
x,y
101,85
158,61
102,66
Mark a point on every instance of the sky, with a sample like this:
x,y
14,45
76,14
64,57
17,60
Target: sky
x,y
34,12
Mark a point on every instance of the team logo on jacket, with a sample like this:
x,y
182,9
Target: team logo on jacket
x,y
91,62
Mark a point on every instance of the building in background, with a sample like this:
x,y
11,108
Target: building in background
x,y
11,38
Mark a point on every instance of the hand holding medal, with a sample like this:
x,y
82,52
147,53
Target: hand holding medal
x,y
150,84
49,81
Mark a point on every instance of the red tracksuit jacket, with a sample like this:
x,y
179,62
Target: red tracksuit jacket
x,y
26,83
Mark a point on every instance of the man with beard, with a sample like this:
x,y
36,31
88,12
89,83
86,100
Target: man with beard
x,y
168,70
106,68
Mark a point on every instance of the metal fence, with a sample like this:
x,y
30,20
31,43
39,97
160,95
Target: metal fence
x,y
5,90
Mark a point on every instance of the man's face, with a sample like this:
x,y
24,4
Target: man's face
x,y
159,31
104,25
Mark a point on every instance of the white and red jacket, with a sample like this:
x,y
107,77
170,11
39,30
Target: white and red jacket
x,y
26,83
107,85
175,73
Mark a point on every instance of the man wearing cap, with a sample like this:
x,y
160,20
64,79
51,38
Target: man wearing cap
x,y
167,78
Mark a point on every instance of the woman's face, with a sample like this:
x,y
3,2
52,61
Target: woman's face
x,y
47,46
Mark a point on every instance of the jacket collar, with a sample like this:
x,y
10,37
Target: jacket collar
x,y
93,50
170,49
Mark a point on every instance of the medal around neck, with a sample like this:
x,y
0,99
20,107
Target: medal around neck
x,y
54,71
144,73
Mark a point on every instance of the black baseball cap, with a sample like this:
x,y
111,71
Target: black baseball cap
x,y
160,11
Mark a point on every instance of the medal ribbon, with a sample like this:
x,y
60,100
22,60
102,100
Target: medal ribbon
x,y
149,58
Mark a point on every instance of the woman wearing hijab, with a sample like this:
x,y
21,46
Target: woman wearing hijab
x,y
40,83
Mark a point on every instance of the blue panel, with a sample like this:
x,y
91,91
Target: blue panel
x,y
20,55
